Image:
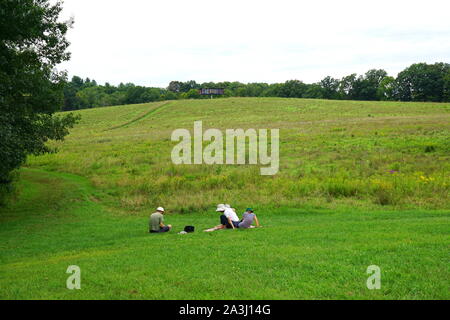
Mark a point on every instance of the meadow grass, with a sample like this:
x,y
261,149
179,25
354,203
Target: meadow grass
x,y
360,183
57,221
332,154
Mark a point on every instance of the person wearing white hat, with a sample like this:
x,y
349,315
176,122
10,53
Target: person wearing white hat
x,y
228,219
156,224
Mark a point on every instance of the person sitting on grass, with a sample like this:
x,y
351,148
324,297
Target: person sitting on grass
x,y
228,219
247,220
157,222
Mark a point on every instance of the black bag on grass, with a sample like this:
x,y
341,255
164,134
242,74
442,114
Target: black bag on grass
x,y
189,229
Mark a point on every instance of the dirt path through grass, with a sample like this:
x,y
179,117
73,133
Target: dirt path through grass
x,y
141,117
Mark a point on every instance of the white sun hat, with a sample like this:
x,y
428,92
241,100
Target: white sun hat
x,y
220,207
160,209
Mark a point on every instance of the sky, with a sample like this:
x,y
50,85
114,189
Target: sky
x,y
152,42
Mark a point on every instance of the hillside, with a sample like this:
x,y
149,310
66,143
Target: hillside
x,y
332,154
360,184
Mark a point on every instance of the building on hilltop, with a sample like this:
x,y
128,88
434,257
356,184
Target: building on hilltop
x,y
211,91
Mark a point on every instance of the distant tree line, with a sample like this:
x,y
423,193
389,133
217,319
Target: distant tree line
x,y
418,82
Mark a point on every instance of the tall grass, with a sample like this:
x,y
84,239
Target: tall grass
x,y
332,154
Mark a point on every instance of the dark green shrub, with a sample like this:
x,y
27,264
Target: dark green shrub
x,y
430,149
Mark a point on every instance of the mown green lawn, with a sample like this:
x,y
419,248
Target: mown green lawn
x,y
56,220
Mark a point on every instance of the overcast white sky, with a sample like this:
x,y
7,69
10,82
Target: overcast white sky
x,y
151,42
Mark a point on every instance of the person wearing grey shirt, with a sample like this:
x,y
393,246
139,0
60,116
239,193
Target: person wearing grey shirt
x,y
247,219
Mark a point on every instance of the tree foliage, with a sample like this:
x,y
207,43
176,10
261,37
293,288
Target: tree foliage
x,y
32,43
423,82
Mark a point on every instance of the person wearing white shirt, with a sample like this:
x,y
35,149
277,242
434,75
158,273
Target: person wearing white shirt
x,y
228,220
231,219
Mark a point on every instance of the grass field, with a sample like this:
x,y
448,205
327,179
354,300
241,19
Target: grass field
x,y
360,183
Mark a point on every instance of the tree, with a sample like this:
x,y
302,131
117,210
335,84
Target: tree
x,y
169,95
191,94
241,92
134,94
330,88
363,87
422,82
189,85
77,82
109,89
372,80
446,96
291,89
92,97
386,89
175,86
346,86
375,76
71,101
117,98
314,91
151,94
32,43
252,90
